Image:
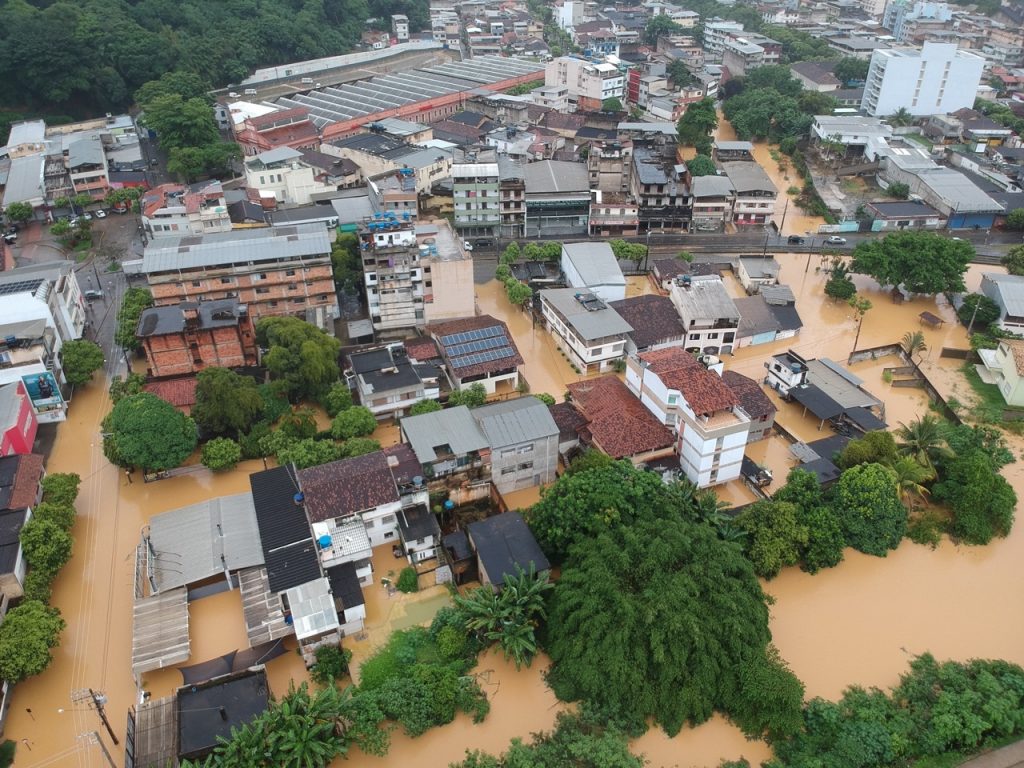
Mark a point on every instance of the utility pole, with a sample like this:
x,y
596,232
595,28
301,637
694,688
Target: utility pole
x,y
98,700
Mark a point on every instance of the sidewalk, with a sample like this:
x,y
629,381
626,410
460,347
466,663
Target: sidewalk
x,y
1011,756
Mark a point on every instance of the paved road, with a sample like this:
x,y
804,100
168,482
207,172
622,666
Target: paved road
x,y
1010,756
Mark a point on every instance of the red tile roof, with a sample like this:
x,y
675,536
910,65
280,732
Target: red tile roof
x,y
617,422
568,419
181,393
678,369
348,486
26,481
421,349
752,398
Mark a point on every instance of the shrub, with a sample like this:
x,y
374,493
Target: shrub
x,y
61,487
424,406
408,580
38,585
451,643
221,454
331,664
927,528
337,399
61,514
46,545
250,443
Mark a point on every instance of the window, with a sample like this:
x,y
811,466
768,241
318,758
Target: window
x,y
262,180
526,465
262,290
507,452
525,448
289,272
196,283
297,301
225,281
387,520
673,399
508,470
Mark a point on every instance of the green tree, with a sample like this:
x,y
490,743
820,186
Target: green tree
x,y
923,262
337,399
1015,222
815,103
914,344
424,406
697,123
877,447
27,635
346,262
408,580
1014,258
825,541
472,396
983,502
660,26
545,398
357,421
135,300
60,229
519,294
307,452
131,385
59,513
839,286
770,697
60,487
623,249
611,105
226,402
298,424
46,545
901,118
80,358
775,536
848,70
123,197
359,446
19,212
679,74
511,254
869,509
899,190
146,432
221,454
701,165
909,477
181,123
978,311
187,85
923,441
331,664
654,598
510,616
301,355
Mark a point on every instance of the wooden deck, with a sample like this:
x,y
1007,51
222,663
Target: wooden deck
x,y
160,631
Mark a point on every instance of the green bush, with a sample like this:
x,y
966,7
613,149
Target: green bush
x,y
7,753
38,585
250,442
61,487
408,580
451,643
61,514
337,399
927,528
221,454
331,664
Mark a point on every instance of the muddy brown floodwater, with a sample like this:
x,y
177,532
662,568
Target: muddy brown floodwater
x,y
857,623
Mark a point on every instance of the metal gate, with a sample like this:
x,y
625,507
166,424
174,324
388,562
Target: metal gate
x,y
129,740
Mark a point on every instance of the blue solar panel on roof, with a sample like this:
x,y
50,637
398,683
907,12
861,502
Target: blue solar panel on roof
x,y
483,357
477,346
474,335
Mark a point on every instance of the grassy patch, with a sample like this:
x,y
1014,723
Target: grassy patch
x,y
919,139
990,406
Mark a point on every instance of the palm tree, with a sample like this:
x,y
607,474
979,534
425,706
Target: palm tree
x,y
901,117
922,441
913,343
909,478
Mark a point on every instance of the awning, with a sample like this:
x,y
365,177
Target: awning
x,y
160,631
816,401
864,420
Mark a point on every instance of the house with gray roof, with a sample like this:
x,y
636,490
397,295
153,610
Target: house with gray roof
x,y
591,334
755,193
709,314
523,439
1007,291
593,266
713,200
447,443
557,198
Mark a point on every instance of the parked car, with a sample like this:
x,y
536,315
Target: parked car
x,y
93,294
796,240
11,238
835,240
100,214
73,220
87,216
483,242
467,245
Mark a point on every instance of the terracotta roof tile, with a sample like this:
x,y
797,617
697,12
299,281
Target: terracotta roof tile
x,y
181,393
421,349
616,421
26,481
654,319
1017,349
348,486
752,398
678,369
569,420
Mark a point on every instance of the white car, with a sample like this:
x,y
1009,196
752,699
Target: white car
x,y
467,245
87,216
835,240
100,214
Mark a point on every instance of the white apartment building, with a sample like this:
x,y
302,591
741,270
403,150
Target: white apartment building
x,y
755,192
684,394
282,173
937,80
588,83
715,35
708,313
475,190
400,27
592,334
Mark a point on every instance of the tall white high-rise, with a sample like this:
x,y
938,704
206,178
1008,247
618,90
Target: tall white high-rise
x,y
936,80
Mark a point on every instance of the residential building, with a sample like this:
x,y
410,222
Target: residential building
x,y
20,491
1004,367
713,200
665,272
754,272
26,182
523,439
176,210
608,163
708,313
475,183
588,83
18,422
591,334
379,153
902,17
742,55
448,444
716,33
859,135
275,271
654,320
593,266
758,324
87,166
388,383
857,47
480,350
617,424
400,27
504,547
938,79
281,173
55,285
613,215
27,137
786,371
906,214
1007,291
512,198
816,76
659,190
755,193
268,128
754,402
686,395
179,392
184,339
557,198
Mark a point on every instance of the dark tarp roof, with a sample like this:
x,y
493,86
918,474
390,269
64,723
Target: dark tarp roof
x,y
864,420
816,401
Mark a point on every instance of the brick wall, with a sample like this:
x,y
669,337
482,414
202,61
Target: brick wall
x,y
176,354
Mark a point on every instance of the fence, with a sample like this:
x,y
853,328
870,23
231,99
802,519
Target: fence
x,y
921,379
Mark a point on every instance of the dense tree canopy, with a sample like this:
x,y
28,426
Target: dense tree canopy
x,y
701,165
775,535
27,634
226,402
697,124
922,262
301,355
80,358
146,432
868,506
663,620
661,25
983,502
849,69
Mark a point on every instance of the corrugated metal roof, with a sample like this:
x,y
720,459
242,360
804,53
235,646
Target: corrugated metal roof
x,y
312,607
595,263
1009,289
587,323
454,427
241,246
24,180
517,421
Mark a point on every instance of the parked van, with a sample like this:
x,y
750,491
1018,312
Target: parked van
x,y
250,91
307,81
